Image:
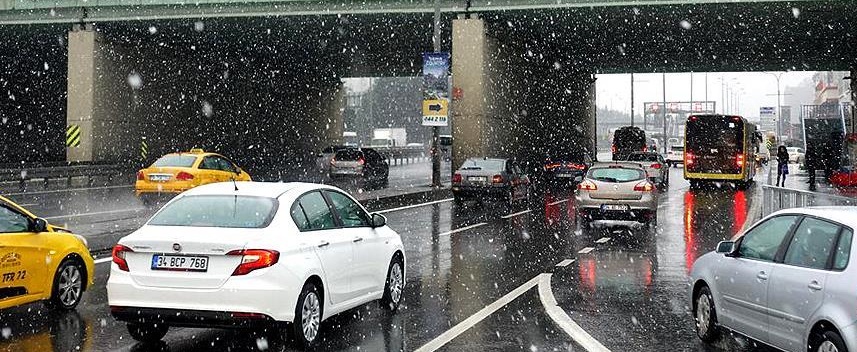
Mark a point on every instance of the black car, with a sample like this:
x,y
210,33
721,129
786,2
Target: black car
x,y
364,165
561,169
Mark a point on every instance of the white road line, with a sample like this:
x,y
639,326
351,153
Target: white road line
x,y
27,204
68,190
462,229
94,213
565,263
586,250
603,240
103,260
413,206
561,318
559,201
472,320
516,214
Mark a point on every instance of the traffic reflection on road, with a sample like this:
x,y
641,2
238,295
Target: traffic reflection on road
x,y
32,330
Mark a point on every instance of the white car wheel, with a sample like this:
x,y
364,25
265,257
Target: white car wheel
x,y
307,322
395,285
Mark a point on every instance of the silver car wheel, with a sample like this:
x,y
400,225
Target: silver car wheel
x,y
310,316
703,313
827,346
396,283
70,285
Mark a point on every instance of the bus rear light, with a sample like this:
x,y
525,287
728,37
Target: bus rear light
x,y
688,158
739,160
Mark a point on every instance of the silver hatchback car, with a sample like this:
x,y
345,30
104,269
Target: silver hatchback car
x,y
786,282
616,193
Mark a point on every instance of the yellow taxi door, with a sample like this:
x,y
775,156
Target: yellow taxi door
x,y
209,170
228,169
23,257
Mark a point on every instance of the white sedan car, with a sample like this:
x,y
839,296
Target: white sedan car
x,y
253,254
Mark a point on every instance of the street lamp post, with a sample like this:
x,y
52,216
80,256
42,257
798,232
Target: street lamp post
x,y
632,99
779,107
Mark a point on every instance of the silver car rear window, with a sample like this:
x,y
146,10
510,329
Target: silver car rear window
x,y
616,174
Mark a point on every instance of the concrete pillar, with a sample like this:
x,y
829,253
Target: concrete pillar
x,y
100,99
81,87
469,56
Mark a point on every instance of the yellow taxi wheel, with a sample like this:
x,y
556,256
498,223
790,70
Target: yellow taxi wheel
x,y
68,285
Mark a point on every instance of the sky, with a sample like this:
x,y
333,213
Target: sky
x,y
753,89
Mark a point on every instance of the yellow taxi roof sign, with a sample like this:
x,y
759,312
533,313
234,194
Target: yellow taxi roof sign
x,y
197,150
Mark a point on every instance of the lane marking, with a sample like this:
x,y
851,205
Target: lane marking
x,y
565,263
103,260
563,320
95,213
68,190
462,229
560,201
27,204
586,250
515,214
603,240
414,206
472,320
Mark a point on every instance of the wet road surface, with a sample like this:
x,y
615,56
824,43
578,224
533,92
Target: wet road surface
x,y
627,290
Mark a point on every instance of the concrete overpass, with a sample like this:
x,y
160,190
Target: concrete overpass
x,y
270,70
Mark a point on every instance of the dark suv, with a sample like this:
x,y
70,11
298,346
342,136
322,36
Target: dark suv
x,y
362,164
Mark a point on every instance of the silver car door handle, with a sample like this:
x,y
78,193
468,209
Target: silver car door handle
x,y
323,244
814,286
762,276
357,239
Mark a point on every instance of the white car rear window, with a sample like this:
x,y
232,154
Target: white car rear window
x,y
217,211
616,174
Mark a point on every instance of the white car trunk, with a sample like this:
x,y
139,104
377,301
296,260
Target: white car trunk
x,y
201,243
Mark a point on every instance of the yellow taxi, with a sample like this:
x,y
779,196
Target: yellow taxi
x,y
40,262
177,172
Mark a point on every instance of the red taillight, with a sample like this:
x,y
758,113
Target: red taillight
x,y
456,178
361,161
613,149
552,166
688,158
656,166
119,256
739,160
576,166
332,161
497,179
644,186
587,185
184,176
140,176
252,259
645,148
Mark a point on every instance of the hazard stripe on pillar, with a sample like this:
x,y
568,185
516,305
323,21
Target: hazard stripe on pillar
x,y
144,150
72,136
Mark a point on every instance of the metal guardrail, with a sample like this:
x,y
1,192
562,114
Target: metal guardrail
x,y
778,198
403,155
23,179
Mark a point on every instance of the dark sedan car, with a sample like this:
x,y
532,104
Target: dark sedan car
x,y
489,178
562,169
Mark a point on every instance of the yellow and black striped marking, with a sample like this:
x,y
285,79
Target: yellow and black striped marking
x,y
72,136
144,150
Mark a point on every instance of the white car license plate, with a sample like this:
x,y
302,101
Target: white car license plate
x,y
564,175
615,207
159,178
179,262
477,178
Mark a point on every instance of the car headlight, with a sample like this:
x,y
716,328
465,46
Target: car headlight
x,y
82,240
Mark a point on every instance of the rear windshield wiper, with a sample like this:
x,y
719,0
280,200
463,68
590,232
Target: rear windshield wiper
x,y
607,179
